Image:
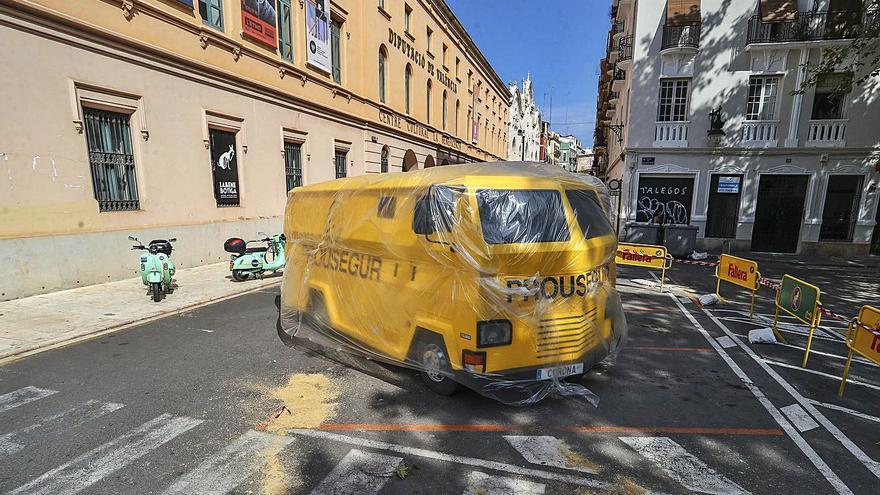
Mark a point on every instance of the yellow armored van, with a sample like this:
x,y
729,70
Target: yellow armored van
x,y
497,276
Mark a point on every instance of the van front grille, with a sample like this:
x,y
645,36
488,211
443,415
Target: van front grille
x,y
566,334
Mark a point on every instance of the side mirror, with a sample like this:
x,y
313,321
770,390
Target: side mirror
x,y
133,238
422,222
173,239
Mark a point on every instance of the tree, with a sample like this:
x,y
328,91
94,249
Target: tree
x,y
859,58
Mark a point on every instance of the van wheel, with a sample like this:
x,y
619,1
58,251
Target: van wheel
x,y
240,275
436,370
157,292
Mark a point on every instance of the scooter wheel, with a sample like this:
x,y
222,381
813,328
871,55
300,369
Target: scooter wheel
x,y
157,292
240,275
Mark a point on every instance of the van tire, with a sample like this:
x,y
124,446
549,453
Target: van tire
x,y
428,351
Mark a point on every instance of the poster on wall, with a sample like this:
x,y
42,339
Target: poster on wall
x,y
224,167
258,20
318,34
665,200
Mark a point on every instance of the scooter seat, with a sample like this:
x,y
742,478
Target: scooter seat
x,y
256,250
162,246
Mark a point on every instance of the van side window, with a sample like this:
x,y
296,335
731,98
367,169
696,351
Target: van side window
x,y
387,205
589,214
435,211
515,216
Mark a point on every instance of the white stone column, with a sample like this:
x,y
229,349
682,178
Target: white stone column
x,y
797,102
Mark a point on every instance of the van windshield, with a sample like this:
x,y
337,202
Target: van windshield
x,y
590,216
516,216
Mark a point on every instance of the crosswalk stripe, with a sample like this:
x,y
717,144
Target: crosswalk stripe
x,y
483,484
358,473
70,418
226,469
23,396
683,467
547,451
89,468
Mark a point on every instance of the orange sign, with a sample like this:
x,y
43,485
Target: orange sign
x,y
739,271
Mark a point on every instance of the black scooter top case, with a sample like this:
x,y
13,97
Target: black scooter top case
x,y
235,245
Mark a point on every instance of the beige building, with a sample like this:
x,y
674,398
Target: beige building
x,y
192,119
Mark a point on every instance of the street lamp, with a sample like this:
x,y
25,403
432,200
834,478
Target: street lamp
x,y
522,135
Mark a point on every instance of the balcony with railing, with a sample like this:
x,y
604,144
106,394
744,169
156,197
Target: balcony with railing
x,y
671,134
830,132
618,79
681,37
625,49
813,26
759,133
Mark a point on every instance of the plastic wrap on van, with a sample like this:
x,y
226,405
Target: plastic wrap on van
x,y
497,277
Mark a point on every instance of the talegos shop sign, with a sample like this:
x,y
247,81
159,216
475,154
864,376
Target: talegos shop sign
x,y
419,59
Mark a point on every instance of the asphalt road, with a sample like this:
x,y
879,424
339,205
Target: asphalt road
x,y
187,404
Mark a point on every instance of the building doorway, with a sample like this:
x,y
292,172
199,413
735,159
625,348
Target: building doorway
x,y
779,213
409,161
723,213
842,199
875,239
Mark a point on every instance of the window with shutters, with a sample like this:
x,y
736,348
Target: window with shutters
x,y
682,12
407,87
443,111
673,101
428,101
336,50
293,164
383,159
111,160
382,59
761,104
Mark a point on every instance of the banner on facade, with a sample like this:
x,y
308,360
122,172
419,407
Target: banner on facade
x,y
224,166
318,34
258,20
665,200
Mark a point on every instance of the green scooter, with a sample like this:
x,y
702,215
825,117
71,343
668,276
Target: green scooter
x,y
156,265
250,262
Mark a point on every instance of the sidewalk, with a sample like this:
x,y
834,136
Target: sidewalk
x,y
46,321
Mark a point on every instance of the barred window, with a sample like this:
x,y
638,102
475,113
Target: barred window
x,y
341,168
111,160
761,104
673,100
383,160
293,164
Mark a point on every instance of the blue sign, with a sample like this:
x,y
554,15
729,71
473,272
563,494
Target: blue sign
x,y
728,185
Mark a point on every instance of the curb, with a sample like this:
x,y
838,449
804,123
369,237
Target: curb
x,y
26,353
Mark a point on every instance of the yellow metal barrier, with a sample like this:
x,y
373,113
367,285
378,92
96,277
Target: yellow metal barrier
x,y
645,256
861,340
738,271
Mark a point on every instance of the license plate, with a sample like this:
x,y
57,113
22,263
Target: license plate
x,y
560,371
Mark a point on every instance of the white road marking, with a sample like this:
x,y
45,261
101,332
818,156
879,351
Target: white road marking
x,y
467,461
358,473
799,418
225,470
71,418
847,410
683,467
726,342
792,433
91,467
483,484
859,454
22,396
849,381
546,451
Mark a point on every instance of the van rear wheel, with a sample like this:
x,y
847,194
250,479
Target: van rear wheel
x,y
436,370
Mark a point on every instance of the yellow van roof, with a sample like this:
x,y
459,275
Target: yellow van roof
x,y
489,174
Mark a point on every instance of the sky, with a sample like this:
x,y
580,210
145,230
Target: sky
x,y
560,42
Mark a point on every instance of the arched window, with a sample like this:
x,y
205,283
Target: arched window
x,y
428,101
407,82
383,160
457,115
382,57
443,111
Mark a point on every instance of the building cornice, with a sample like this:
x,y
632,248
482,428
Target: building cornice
x,y
835,151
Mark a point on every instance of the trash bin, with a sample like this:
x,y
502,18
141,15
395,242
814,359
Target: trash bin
x,y
680,240
642,233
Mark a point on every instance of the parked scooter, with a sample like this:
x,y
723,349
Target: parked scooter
x,y
249,262
156,266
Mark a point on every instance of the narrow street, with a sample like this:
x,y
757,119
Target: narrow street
x,y
187,404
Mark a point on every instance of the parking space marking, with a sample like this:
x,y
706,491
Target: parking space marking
x,y
846,410
682,466
483,484
226,469
358,473
680,430
792,433
850,380
671,349
23,396
859,454
91,467
456,459
546,451
799,418
70,418
496,428
726,342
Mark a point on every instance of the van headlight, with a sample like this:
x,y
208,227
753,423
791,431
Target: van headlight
x,y
493,333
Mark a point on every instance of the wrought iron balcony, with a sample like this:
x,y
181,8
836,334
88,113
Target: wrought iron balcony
x,y
813,26
625,48
686,36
